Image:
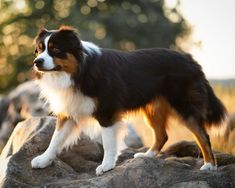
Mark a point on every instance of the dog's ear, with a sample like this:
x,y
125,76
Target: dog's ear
x,y
42,32
70,34
68,28
67,37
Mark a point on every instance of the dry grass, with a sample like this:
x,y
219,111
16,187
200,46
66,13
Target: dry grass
x,y
177,132
227,95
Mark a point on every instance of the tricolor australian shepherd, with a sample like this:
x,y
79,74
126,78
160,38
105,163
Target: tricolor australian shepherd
x,y
81,80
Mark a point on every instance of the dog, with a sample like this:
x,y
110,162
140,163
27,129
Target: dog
x,y
82,81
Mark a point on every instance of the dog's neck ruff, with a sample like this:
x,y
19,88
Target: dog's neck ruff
x,y
59,91
56,80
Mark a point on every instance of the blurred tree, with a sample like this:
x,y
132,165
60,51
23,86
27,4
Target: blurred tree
x,y
120,24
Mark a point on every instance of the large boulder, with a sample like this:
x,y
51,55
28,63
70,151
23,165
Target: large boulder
x,y
178,166
23,102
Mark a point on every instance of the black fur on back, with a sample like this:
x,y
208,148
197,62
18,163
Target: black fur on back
x,y
122,81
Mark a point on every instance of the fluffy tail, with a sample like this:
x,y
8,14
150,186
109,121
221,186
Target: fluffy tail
x,y
217,113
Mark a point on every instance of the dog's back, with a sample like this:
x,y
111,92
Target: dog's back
x,y
130,80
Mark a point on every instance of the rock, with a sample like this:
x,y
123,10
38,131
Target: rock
x,y
198,184
76,167
26,100
132,139
4,103
186,149
32,137
4,134
23,102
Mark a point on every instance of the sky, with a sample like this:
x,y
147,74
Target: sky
x,y
213,23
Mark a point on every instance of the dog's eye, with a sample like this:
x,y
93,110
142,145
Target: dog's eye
x,y
55,50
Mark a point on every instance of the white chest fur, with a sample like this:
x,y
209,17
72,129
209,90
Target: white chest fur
x,y
57,88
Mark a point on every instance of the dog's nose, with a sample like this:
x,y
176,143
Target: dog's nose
x,y
38,62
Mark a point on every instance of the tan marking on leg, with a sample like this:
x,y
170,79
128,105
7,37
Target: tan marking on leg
x,y
202,140
157,114
61,119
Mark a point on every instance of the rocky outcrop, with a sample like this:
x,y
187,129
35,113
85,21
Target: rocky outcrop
x,y
177,167
23,102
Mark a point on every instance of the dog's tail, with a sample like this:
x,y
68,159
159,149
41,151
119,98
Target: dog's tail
x,y
216,112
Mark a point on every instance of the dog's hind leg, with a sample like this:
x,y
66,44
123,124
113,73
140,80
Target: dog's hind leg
x,y
64,127
203,141
156,115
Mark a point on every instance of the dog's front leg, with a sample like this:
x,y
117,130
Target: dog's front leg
x,y
110,137
64,127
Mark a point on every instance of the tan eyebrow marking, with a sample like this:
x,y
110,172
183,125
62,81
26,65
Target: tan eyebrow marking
x,y
40,45
39,49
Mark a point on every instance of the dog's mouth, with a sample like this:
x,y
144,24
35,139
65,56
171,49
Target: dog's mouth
x,y
41,69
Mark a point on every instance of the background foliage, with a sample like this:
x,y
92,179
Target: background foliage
x,y
120,24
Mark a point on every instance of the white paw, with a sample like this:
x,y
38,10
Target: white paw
x,y
41,161
104,168
208,167
150,154
140,154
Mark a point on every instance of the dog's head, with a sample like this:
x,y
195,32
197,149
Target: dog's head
x,y
58,50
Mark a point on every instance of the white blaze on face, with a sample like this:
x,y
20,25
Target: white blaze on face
x,y
48,60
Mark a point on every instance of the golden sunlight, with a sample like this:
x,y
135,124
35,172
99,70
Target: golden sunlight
x,y
20,4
